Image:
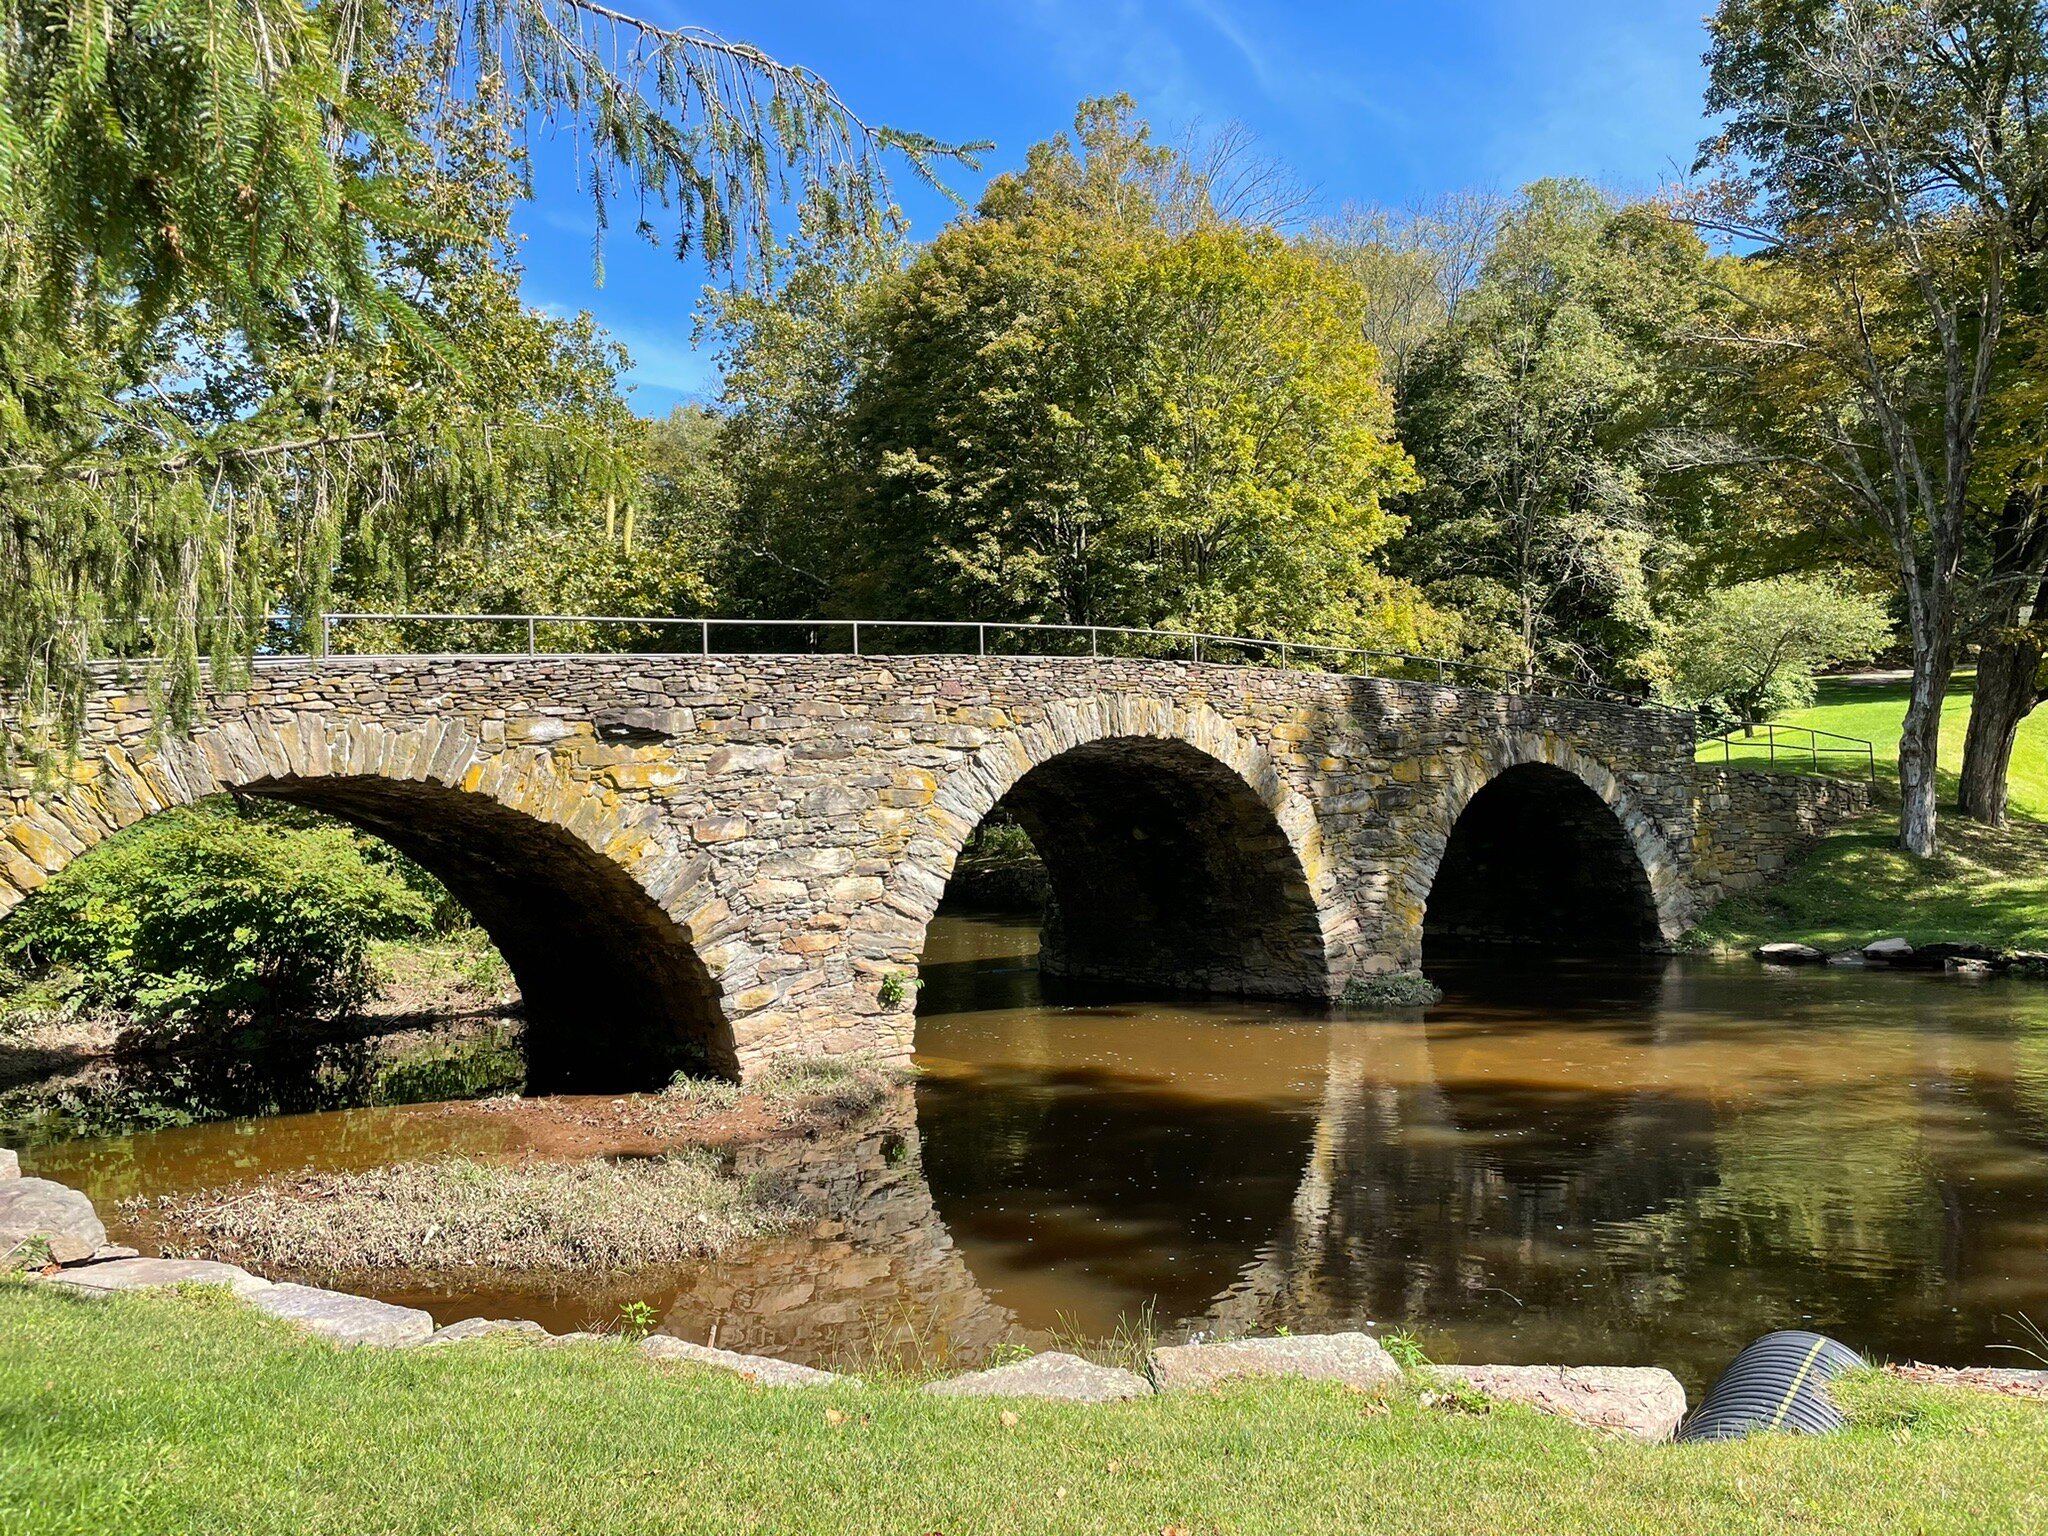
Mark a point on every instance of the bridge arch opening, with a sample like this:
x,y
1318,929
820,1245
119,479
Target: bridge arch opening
x,y
615,998
1165,871
1538,860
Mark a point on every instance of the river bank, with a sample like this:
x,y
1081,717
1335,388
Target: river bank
x,y
1986,886
247,1426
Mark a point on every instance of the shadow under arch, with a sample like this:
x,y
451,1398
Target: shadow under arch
x,y
1538,859
584,895
1168,871
615,996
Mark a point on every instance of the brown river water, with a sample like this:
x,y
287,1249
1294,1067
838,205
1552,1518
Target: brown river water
x,y
1641,1163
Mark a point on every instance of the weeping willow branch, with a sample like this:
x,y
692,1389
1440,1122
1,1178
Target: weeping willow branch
x,y
210,209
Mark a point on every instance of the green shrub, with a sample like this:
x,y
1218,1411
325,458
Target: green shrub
x,y
213,917
1402,989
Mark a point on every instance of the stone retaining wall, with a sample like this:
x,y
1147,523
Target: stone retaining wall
x,y
1749,825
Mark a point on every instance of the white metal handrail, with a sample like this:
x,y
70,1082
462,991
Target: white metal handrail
x,y
862,634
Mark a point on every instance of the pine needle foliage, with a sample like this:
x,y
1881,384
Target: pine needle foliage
x,y
260,330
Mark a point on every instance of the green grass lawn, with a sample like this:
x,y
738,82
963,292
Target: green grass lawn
x,y
1874,712
1856,886
191,1414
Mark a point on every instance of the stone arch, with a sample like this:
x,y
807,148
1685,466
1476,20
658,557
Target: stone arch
x,y
1202,795
1579,831
585,895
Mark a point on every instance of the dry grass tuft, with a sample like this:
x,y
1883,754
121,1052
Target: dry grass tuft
x,y
460,1213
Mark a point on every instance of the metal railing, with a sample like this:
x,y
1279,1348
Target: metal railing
x,y
540,634
1796,745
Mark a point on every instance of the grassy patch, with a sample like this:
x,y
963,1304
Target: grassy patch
x,y
461,1213
1984,884
1875,711
822,1090
177,1414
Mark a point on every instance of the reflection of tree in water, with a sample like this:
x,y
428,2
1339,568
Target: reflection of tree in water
x,y
1669,1223
286,1073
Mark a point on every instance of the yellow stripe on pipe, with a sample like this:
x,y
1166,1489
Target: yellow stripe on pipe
x,y
1798,1380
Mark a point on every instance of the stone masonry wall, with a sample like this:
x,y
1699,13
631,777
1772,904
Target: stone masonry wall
x,y
792,820
1749,825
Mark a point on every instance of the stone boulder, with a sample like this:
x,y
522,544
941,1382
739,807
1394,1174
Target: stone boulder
x,y
346,1319
1849,960
1975,970
1642,1402
1892,951
1944,954
1356,1359
41,1208
484,1328
109,1276
10,1164
759,1369
1789,954
1067,1378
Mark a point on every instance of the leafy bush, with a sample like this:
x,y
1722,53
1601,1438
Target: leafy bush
x,y
216,917
1752,649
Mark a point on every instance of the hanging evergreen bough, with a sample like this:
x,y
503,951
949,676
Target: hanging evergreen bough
x,y
260,332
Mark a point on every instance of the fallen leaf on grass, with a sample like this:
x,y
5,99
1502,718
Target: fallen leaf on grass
x,y
1009,1419
834,1417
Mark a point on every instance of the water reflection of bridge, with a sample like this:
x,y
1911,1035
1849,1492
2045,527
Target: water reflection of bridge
x,y
1598,1196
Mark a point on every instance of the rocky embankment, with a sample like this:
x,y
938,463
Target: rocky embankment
x,y
1955,958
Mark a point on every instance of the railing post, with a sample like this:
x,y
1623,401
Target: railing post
x,y
1198,650
856,637
326,635
981,639
1094,641
530,650
706,624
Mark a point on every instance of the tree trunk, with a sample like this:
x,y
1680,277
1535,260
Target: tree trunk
x,y
2006,695
1920,741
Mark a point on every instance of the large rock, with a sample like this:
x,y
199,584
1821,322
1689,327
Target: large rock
x,y
154,1274
10,1164
1789,954
486,1327
759,1369
1974,969
60,1215
1639,1401
344,1318
1892,951
1066,1377
1356,1359
1945,953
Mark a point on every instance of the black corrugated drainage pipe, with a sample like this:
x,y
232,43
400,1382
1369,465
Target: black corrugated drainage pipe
x,y
1779,1382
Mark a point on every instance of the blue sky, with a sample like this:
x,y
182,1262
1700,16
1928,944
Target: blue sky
x,y
1379,101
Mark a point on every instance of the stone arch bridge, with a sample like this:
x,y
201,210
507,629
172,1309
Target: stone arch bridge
x,y
708,862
